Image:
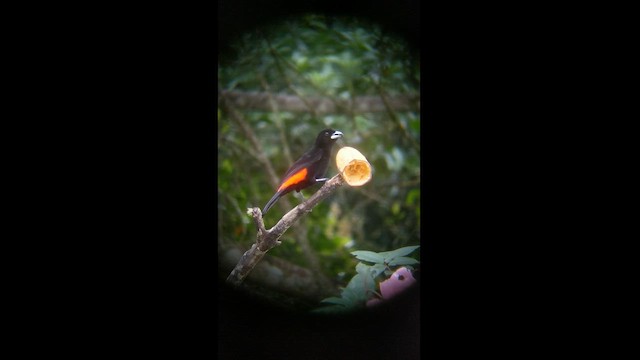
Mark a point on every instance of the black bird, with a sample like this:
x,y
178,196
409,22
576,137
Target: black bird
x,y
309,169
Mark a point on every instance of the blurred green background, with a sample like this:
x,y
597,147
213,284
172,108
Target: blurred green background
x,y
279,88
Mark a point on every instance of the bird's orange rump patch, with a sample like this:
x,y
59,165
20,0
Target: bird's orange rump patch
x,y
294,179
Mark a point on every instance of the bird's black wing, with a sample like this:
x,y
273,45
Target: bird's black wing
x,y
306,160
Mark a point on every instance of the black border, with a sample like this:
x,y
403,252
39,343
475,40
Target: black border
x,y
125,201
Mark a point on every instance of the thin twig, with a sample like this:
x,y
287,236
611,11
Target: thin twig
x,y
235,115
390,111
278,119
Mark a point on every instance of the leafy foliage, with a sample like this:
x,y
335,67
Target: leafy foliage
x,y
363,285
392,258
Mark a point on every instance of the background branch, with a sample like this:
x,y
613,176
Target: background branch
x,y
254,100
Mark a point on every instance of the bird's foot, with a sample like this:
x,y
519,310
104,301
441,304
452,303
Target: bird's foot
x,y
299,195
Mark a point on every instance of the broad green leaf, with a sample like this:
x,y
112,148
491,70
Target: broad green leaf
x,y
368,278
335,300
352,292
359,286
369,256
390,255
403,260
363,269
377,269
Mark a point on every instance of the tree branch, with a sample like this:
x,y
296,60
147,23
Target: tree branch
x,y
268,239
321,105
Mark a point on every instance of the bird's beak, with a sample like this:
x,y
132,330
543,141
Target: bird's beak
x,y
336,134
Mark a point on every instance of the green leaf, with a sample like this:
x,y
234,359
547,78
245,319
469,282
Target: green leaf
x,y
353,291
226,166
360,286
390,255
414,123
377,269
369,256
395,208
363,269
412,196
403,260
336,300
